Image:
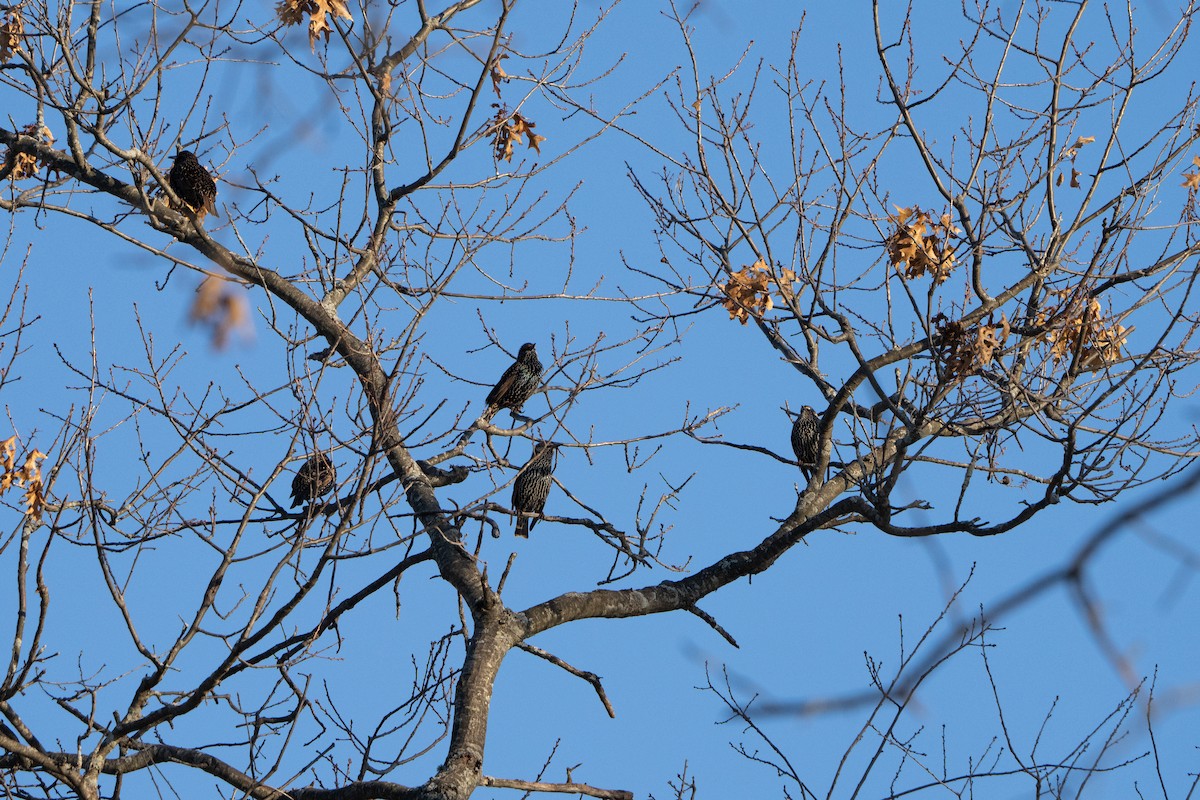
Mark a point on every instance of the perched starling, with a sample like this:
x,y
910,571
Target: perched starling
x,y
313,479
804,440
193,184
517,383
532,486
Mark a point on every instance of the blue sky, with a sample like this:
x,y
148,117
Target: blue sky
x,y
807,627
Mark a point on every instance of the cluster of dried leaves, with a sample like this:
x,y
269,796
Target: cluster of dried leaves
x,y
12,27
26,165
1071,152
1078,325
28,476
221,306
919,245
748,291
292,12
509,130
964,351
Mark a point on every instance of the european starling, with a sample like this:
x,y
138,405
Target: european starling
x,y
517,383
804,440
313,479
532,486
193,184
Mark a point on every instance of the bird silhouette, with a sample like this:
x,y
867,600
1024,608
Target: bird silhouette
x,y
192,183
804,440
314,478
517,383
532,486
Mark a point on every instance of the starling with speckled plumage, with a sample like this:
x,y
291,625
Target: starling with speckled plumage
x,y
532,486
313,479
517,383
192,183
805,441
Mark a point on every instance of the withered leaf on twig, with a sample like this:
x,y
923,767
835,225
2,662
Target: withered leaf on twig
x,y
292,12
919,245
